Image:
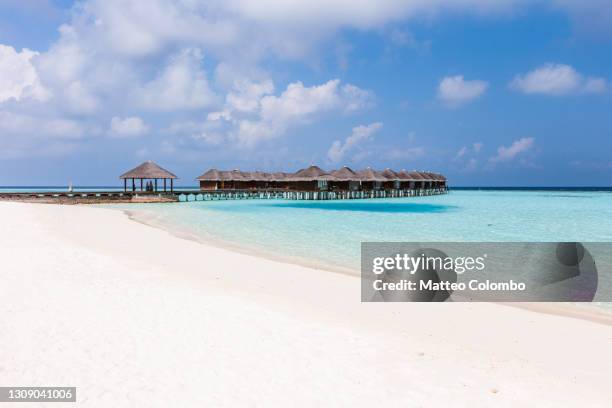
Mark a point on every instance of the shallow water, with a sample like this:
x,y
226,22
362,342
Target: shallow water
x,y
330,232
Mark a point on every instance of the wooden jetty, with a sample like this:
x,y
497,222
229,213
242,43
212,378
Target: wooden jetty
x,y
101,197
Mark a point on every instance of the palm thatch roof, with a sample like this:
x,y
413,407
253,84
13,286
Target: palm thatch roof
x,y
279,175
389,174
309,174
258,176
405,175
426,176
315,173
234,175
415,175
210,175
345,174
148,170
368,174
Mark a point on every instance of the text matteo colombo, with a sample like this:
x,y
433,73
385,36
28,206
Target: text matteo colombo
x,y
460,265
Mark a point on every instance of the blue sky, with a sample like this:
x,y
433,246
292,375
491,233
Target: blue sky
x,y
513,92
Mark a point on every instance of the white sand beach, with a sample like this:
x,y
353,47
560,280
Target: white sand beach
x,y
134,316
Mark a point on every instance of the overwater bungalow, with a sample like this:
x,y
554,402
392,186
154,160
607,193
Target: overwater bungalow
x,y
314,179
345,179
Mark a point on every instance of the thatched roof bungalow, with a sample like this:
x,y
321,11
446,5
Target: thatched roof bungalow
x,y
370,175
345,174
313,178
312,173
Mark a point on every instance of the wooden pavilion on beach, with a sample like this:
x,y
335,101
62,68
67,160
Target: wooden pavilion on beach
x,y
148,171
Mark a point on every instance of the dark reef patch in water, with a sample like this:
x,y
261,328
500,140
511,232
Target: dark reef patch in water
x,y
354,205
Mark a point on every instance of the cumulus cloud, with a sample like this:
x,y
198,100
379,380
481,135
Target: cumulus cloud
x,y
15,123
128,55
127,127
210,132
557,80
46,135
181,86
253,114
247,95
456,90
18,77
360,134
517,148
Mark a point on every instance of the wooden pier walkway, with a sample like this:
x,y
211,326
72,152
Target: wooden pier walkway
x,y
99,197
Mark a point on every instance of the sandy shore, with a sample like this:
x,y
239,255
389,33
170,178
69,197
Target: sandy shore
x,y
134,316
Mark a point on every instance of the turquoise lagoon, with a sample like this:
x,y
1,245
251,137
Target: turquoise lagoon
x,y
329,233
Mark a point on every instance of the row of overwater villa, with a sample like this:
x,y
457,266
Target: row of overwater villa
x,y
150,182
313,183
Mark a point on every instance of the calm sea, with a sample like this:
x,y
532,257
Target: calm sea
x,y
330,232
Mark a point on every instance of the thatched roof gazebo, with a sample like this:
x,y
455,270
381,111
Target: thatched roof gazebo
x,y
148,171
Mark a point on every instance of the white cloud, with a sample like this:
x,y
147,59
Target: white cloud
x,y
360,134
134,56
210,132
590,16
557,80
469,150
358,14
299,102
80,99
23,135
253,114
128,127
49,127
518,147
181,86
18,77
409,154
466,156
456,90
461,152
247,95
